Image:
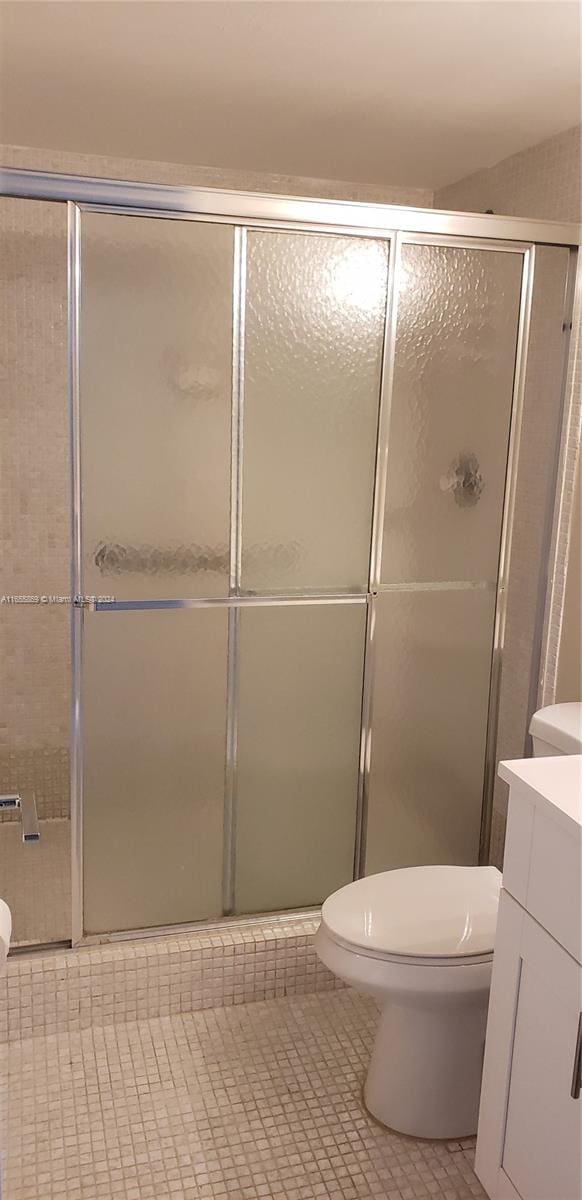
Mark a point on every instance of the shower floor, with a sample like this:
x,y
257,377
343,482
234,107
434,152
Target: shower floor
x,y
36,881
259,1100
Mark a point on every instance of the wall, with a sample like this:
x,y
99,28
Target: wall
x,y
569,681
545,181
138,170
35,508
562,669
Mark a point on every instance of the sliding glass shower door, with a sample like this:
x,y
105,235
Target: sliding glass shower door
x,y
458,311
154,424
307,599
253,677
228,401
313,337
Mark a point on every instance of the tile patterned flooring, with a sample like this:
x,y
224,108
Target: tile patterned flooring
x,y
237,1103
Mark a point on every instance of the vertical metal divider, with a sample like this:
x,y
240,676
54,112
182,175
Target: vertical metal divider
x,y
238,329
229,830
521,354
380,480
77,617
543,678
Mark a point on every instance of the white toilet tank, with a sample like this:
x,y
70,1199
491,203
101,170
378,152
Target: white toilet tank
x,y
557,729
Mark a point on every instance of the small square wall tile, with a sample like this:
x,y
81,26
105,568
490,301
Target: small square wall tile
x,y
90,986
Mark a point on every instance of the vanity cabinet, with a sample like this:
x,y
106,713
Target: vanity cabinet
x,y
529,1144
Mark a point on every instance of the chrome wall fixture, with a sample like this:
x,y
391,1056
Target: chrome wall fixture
x,y
24,804
245,211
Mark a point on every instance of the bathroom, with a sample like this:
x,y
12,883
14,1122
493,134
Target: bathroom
x,y
274,920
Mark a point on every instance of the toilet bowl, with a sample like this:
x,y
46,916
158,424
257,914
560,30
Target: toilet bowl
x,y
420,940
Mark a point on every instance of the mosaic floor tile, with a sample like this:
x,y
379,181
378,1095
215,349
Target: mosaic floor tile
x,y
239,1103
58,992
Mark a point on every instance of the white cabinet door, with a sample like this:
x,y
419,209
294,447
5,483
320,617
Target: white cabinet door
x,y
542,1154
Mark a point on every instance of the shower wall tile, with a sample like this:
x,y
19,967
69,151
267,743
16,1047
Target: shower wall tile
x,y
34,729
36,883
139,170
53,992
35,503
533,505
561,678
545,182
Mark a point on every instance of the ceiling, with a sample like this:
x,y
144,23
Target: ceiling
x,y
417,94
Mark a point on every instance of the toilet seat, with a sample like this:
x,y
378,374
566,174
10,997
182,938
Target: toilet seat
x,y
411,960
425,916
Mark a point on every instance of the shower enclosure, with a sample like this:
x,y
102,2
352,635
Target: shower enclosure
x,y
297,430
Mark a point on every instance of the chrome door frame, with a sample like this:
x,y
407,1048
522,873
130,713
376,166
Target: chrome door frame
x,y
257,207
397,225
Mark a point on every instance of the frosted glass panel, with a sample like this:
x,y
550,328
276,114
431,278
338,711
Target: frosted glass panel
x,y
450,415
430,705
298,741
156,332
35,557
314,334
154,700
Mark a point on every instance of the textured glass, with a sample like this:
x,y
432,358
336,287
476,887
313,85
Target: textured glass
x,y
314,331
298,739
35,557
154,701
155,363
535,498
450,415
431,691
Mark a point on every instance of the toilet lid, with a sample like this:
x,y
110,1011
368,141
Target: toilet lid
x,y
445,912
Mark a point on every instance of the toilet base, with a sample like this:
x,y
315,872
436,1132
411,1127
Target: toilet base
x,y
424,1077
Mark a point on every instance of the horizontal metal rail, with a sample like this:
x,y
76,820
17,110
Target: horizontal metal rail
x,y
252,207
223,602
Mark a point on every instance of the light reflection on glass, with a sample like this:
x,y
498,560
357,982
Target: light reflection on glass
x,y
358,278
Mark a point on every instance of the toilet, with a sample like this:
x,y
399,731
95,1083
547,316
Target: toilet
x,y
557,729
420,940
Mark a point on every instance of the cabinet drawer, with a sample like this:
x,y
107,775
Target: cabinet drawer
x,y
542,869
